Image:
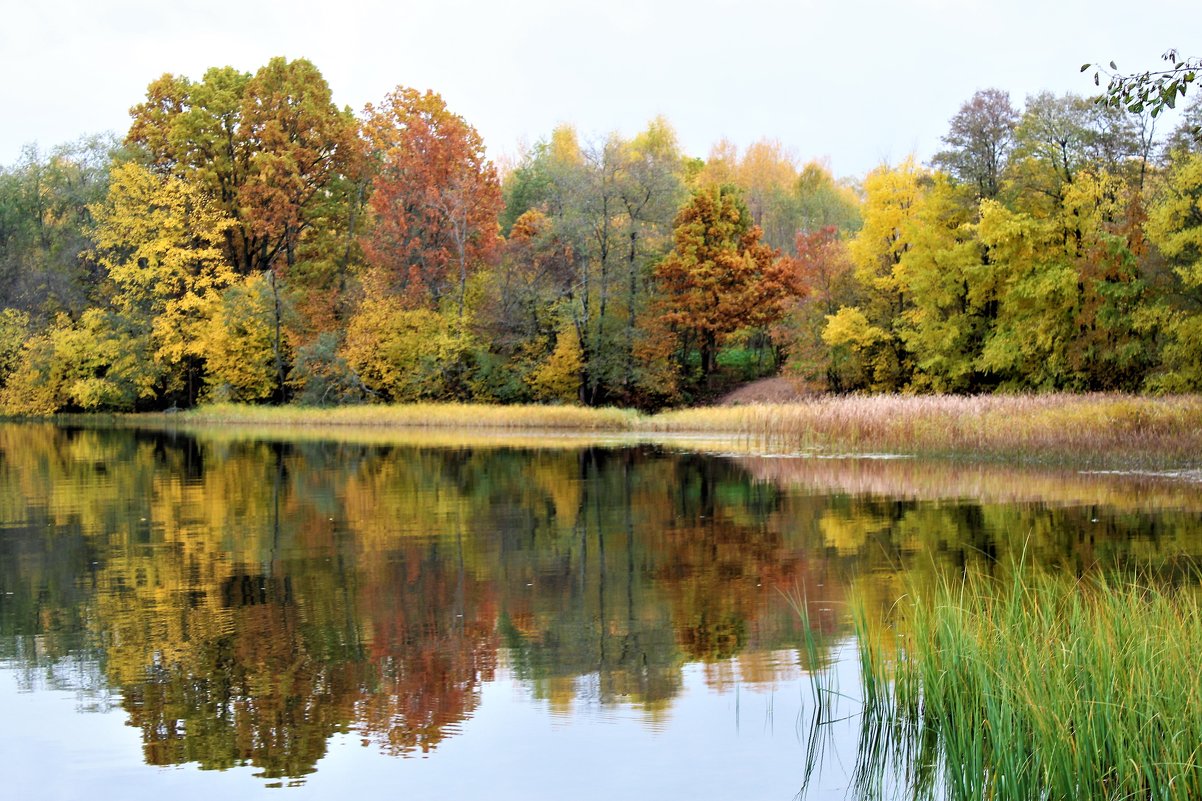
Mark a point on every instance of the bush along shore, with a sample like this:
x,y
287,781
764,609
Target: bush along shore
x,y
1101,431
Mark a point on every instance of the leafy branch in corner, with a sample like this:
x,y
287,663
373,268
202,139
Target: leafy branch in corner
x,y
1153,90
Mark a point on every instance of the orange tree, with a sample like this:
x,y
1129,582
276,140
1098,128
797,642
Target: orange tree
x,y
718,278
435,199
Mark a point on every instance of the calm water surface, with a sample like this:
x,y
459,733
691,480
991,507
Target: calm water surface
x,y
191,616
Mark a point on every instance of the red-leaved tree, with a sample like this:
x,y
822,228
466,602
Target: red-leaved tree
x,y
435,200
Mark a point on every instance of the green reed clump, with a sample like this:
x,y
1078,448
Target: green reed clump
x,y
1045,687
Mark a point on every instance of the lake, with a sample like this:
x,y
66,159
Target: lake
x,y
190,615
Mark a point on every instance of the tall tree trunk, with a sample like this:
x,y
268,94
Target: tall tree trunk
x,y
602,302
277,344
632,292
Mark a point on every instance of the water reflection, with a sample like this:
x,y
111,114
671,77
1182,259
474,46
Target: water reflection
x,y
247,600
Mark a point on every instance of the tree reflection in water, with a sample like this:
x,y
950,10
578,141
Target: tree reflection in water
x,y
250,598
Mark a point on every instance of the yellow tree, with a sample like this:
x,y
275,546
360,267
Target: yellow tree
x,y
239,342
1175,227
103,360
1067,289
866,334
403,354
162,244
946,283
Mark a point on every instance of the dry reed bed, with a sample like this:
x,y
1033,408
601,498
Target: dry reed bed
x,y
1083,429
419,415
1087,430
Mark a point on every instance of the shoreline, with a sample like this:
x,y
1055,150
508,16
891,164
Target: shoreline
x,y
1089,431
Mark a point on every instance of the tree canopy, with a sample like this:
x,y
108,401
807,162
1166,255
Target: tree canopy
x,y
252,241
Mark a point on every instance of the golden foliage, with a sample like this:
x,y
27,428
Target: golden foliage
x,y
557,378
397,352
239,344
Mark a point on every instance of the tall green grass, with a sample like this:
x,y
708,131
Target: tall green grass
x,y
1040,686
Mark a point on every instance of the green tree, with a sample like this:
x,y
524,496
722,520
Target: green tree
x,y
604,213
823,202
979,139
1154,90
650,187
45,264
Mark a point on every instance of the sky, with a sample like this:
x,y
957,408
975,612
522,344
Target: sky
x,y
855,83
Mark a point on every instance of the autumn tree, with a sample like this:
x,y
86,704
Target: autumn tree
x,y
240,343
718,277
160,241
766,172
435,199
821,271
266,146
866,336
272,149
1068,288
950,291
401,354
1175,226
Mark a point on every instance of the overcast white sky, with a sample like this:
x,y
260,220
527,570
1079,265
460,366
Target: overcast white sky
x,y
855,82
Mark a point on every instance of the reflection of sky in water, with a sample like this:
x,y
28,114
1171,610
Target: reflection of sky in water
x,y
747,742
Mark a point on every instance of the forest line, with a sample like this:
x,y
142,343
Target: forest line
x,y
251,241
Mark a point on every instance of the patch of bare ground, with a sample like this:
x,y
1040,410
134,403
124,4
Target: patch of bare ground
x,y
777,389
